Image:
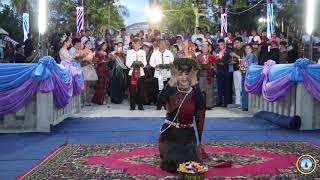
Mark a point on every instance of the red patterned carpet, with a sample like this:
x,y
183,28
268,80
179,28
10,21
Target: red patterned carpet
x,y
141,161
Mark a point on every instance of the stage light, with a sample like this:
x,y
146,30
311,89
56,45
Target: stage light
x,y
310,16
42,16
155,15
262,20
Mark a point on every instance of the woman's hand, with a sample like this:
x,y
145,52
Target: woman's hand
x,y
221,55
110,56
173,80
194,77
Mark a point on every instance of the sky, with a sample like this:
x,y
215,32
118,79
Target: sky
x,y
5,1
137,10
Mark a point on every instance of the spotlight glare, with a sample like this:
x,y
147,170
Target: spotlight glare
x,y
155,15
42,16
310,16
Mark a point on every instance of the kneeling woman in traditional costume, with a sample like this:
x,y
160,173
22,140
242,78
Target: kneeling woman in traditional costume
x,y
184,102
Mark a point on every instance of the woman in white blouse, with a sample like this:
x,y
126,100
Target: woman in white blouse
x,y
64,53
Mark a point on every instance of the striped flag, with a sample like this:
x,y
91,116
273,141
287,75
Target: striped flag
x,y
224,24
80,19
25,21
269,19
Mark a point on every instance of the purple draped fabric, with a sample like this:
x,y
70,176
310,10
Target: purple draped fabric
x,y
274,90
45,79
311,85
73,70
14,99
256,88
77,85
46,85
62,91
77,88
271,90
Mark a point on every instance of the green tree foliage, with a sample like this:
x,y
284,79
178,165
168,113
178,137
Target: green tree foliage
x,y
97,15
62,14
20,6
294,15
179,16
241,18
11,22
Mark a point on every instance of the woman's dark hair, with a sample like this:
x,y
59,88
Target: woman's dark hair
x,y
136,40
65,40
197,47
238,39
249,45
176,46
130,45
86,43
100,46
76,40
221,41
212,47
107,34
283,43
68,33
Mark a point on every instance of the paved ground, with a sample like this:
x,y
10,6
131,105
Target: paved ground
x,y
122,110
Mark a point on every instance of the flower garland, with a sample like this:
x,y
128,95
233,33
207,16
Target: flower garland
x,y
205,66
192,168
242,65
137,64
164,66
188,62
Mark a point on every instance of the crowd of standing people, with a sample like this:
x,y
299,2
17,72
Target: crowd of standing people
x,y
138,66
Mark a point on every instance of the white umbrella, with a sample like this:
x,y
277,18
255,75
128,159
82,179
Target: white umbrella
x,y
2,31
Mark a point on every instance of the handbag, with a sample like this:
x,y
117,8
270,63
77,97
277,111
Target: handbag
x,y
91,74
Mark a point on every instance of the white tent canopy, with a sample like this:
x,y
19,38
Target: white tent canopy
x,y
2,31
6,36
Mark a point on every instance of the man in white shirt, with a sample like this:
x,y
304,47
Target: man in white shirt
x,y
197,36
124,39
136,60
159,59
254,40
